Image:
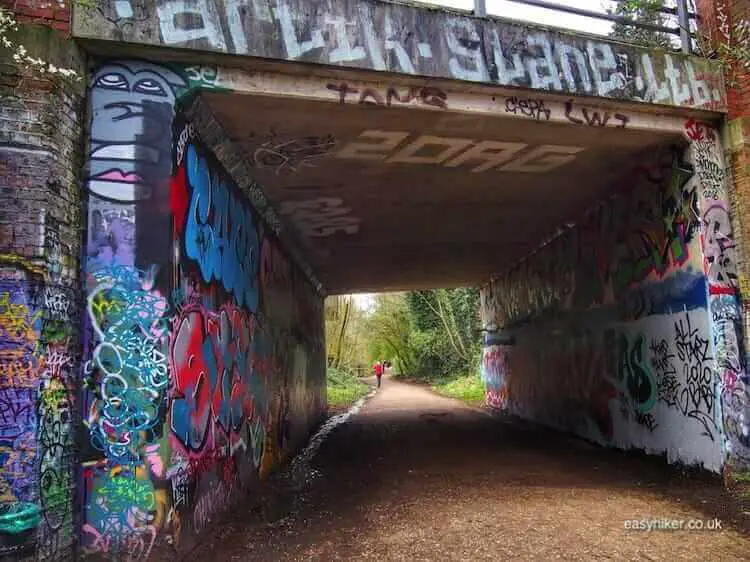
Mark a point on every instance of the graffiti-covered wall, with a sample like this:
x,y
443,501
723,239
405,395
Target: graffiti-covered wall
x,y
625,328
39,302
204,365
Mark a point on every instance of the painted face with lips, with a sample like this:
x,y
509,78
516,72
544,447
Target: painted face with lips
x,y
131,131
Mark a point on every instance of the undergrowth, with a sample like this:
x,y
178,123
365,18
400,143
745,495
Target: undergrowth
x,y
344,389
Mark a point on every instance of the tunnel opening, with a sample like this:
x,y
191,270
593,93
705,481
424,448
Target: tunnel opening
x,y
605,235
595,233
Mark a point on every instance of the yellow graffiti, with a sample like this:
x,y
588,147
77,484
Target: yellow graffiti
x,y
23,263
157,500
18,369
6,493
19,459
18,364
55,396
175,522
103,306
272,455
17,321
744,286
269,460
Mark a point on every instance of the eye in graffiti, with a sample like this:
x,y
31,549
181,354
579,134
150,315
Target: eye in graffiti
x,y
150,87
112,81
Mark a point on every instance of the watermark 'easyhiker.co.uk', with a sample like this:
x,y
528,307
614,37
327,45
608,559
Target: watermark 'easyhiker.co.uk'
x,y
667,524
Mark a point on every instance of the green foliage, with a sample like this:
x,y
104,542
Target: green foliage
x,y
429,335
346,337
730,46
11,46
435,358
344,388
642,11
390,333
469,388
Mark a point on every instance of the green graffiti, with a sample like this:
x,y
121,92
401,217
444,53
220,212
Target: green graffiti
x,y
17,517
55,331
633,372
54,396
123,492
202,78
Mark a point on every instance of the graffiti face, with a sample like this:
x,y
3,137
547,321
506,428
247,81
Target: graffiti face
x,y
131,130
179,399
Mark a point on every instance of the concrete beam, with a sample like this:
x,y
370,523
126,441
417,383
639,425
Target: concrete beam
x,y
368,169
418,94
406,39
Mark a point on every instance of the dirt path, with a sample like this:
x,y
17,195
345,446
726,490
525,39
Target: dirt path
x,y
415,476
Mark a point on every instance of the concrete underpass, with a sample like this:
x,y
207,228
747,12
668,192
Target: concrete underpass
x,y
246,159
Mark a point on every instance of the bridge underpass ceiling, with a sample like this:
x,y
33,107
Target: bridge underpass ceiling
x,y
410,213
390,198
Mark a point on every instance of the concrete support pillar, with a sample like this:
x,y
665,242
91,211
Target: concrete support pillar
x,y
203,362
721,22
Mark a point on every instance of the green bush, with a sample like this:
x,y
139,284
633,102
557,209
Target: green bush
x,y
344,388
469,388
431,336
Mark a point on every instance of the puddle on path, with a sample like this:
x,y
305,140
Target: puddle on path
x,y
288,489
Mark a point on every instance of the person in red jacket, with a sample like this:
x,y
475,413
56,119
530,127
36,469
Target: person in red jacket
x,y
378,371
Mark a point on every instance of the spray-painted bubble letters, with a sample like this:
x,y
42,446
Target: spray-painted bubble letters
x,y
220,232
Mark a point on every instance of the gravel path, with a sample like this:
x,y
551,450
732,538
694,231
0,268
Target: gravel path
x,y
415,476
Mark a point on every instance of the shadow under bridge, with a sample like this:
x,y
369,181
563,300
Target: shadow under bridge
x,y
406,183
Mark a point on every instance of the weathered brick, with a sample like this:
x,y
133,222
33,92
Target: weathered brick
x,y
40,162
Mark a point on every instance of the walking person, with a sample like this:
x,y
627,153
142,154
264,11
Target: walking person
x,y
378,371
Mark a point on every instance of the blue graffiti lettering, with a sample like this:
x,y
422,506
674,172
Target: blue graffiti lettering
x,y
220,234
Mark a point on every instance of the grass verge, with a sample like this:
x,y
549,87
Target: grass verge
x,y
469,388
344,389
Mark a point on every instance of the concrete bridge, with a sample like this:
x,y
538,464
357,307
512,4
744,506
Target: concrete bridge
x,y
247,157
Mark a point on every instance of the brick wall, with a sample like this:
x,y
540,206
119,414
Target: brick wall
x,y
50,13
40,242
719,19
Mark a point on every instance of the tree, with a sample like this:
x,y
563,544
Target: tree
x,y
430,335
390,332
337,311
641,11
729,45
346,333
13,45
445,331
